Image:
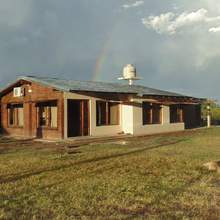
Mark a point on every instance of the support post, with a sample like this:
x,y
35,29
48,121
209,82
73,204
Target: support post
x,y
208,115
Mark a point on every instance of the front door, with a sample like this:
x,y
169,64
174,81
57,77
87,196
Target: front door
x,y
78,117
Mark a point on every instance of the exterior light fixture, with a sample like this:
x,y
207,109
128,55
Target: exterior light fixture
x,y
29,89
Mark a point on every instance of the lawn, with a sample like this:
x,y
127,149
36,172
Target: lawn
x,y
156,177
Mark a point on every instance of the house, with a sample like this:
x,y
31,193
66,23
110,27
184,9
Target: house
x,y
53,108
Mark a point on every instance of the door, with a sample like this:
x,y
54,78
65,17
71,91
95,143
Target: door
x,y
192,116
78,118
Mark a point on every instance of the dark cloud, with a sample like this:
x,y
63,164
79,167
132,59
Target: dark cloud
x,y
66,38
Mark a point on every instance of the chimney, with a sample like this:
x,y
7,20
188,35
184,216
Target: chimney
x,y
129,74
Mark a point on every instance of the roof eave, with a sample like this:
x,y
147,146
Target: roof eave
x,y
30,79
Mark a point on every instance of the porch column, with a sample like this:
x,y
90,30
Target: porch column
x,y
28,119
127,118
165,114
65,119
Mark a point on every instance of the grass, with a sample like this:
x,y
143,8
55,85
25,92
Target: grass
x,y
158,177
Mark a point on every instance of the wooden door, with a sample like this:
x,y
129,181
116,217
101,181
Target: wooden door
x,y
78,118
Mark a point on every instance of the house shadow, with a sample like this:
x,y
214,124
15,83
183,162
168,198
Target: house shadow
x,y
20,176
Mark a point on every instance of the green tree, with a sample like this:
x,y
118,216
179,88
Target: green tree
x,y
215,111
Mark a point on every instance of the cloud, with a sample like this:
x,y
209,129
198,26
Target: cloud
x,y
15,13
169,23
175,7
214,29
133,5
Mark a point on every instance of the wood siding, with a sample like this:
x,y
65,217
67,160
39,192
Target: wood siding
x,y
29,100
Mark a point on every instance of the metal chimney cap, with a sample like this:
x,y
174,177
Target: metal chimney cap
x,y
129,73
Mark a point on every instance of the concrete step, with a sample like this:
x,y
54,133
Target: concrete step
x,y
72,143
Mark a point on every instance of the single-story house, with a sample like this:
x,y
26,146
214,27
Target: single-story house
x,y
54,108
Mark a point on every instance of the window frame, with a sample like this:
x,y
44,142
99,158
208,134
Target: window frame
x,y
48,106
149,110
15,115
107,114
179,114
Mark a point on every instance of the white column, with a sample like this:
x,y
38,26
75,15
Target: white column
x,y
208,115
208,120
165,114
127,119
65,119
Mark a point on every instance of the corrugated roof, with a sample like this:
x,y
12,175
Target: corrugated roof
x,y
91,86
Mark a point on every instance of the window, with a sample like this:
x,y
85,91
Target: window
x,y
176,114
16,115
101,110
113,113
151,113
147,113
47,114
156,114
107,113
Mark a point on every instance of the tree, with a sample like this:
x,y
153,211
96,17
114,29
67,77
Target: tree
x,y
215,111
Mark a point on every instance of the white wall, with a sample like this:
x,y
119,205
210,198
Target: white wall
x,y
94,130
103,130
165,126
131,121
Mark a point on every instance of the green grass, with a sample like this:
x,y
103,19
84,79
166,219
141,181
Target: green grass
x,y
158,177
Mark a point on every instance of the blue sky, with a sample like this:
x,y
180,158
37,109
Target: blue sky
x,y
173,43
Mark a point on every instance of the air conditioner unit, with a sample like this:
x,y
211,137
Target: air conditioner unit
x,y
18,92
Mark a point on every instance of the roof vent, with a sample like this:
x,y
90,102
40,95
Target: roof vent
x,y
129,74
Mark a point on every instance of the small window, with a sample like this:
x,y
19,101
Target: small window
x,y
176,114
16,115
47,114
151,113
107,113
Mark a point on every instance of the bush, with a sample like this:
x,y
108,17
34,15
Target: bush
x,y
215,113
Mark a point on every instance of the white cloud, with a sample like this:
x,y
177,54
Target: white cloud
x,y
133,5
175,7
170,23
214,29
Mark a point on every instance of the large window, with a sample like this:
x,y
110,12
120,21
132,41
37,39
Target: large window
x,y
16,115
151,113
107,113
47,114
176,114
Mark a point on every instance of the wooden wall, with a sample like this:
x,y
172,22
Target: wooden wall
x,y
39,93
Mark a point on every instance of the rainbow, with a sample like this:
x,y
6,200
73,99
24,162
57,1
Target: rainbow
x,y
101,59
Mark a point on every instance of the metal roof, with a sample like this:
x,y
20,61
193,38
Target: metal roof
x,y
91,86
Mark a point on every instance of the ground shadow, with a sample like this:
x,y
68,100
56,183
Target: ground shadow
x,y
16,177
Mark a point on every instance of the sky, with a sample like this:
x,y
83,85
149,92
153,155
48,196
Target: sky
x,y
174,44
